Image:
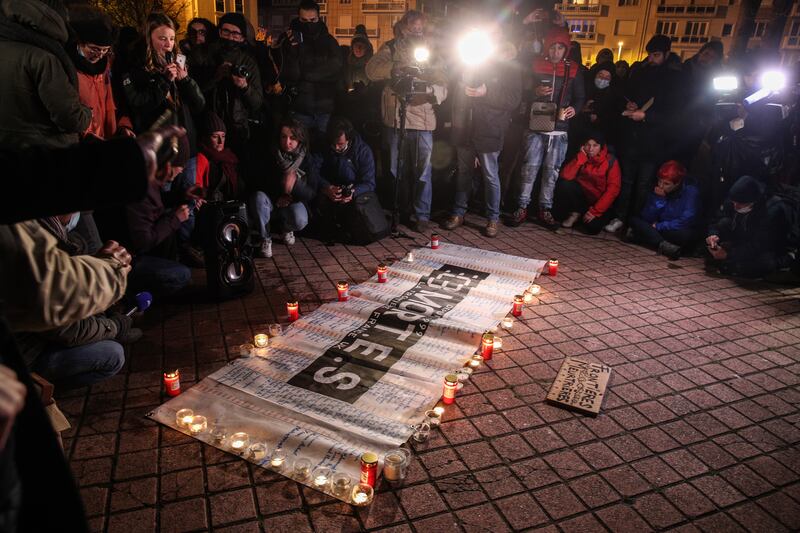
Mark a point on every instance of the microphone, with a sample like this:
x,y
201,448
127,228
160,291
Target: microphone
x,y
168,57
143,301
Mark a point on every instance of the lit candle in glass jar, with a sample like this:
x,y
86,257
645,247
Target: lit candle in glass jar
x,y
383,273
321,477
487,346
535,289
184,417
239,441
516,309
278,458
198,424
450,387
476,361
527,297
508,322
394,464
439,410
343,291
261,340
362,494
293,309
498,343
172,382
552,267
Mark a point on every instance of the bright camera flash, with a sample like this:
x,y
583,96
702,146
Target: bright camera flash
x,y
421,54
726,83
773,80
475,47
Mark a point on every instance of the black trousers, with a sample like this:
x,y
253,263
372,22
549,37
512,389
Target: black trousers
x,y
645,233
570,198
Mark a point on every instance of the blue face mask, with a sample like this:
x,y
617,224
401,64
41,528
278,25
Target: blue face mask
x,y
601,83
73,222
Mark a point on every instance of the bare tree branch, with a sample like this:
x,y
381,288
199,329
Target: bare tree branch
x,y
134,12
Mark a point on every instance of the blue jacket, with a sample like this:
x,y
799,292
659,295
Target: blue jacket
x,y
676,211
356,166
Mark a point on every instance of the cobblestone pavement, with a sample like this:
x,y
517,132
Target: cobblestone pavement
x,y
700,430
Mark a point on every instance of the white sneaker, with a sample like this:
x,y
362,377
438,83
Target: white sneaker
x,y
614,225
570,220
265,250
288,238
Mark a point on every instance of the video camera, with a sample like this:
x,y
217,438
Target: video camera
x,y
408,83
241,71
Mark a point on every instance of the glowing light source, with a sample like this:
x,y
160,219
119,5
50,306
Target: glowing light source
x,y
475,47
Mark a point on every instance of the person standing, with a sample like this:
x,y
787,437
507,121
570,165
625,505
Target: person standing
x,y
482,110
556,81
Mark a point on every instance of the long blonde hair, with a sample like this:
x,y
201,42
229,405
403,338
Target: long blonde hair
x,y
155,21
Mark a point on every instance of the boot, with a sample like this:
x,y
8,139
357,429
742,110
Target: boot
x,y
452,222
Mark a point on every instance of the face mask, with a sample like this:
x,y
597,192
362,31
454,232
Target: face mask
x,y
601,83
73,222
744,210
312,28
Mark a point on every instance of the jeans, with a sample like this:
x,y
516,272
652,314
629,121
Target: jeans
x,y
69,368
646,234
157,275
570,198
538,147
491,181
315,123
638,176
416,165
293,217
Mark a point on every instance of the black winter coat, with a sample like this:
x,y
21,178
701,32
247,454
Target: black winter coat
x,y
748,236
480,123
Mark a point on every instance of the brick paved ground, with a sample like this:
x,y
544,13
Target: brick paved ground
x,y
700,430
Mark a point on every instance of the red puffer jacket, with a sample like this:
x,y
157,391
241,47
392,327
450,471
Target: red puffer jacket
x,y
599,177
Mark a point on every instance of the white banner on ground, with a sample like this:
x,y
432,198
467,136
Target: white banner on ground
x,y
355,376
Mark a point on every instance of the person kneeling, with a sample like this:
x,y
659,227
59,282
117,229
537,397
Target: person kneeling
x,y
348,205
668,219
588,186
289,185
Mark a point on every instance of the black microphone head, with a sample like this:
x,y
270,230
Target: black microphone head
x,y
168,57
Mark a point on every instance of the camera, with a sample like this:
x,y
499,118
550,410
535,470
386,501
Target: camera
x,y
240,71
408,84
347,190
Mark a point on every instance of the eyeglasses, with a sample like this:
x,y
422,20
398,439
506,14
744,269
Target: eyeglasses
x,y
96,50
224,32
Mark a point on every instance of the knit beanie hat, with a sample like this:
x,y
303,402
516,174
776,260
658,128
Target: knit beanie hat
x,y
596,136
211,123
659,43
94,31
237,19
746,190
672,171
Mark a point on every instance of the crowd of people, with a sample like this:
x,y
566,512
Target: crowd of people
x,y
129,134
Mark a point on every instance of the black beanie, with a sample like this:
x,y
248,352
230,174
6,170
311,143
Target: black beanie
x,y
237,19
659,43
746,190
595,135
211,123
96,31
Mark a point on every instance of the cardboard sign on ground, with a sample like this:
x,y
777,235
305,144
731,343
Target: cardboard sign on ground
x,y
580,386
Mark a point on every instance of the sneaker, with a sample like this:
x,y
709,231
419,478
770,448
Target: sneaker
x,y
614,226
452,222
546,217
288,238
422,226
517,217
570,220
491,229
672,251
265,250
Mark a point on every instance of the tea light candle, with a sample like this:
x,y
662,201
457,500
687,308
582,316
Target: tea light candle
x,y
434,241
552,267
527,297
536,289
278,458
487,346
439,410
498,343
362,494
198,424
184,417
383,273
261,340
321,476
343,291
258,450
302,468
246,350
239,441
508,322
172,382
476,361
341,484
433,418
516,309
293,309
450,386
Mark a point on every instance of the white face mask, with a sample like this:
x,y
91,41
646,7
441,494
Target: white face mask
x,y
601,83
744,210
73,222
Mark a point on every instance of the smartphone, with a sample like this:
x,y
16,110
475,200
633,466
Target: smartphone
x,y
180,60
547,82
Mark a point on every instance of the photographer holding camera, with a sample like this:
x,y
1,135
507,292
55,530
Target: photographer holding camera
x,y
422,89
229,77
310,67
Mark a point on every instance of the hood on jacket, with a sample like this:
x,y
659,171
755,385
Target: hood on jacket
x,y
47,18
557,35
746,190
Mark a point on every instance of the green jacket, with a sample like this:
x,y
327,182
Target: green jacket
x,y
39,105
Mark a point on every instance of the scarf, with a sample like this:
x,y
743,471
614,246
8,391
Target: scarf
x,y
11,31
227,160
85,66
291,161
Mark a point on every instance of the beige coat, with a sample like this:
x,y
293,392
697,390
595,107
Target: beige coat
x,y
398,53
42,287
